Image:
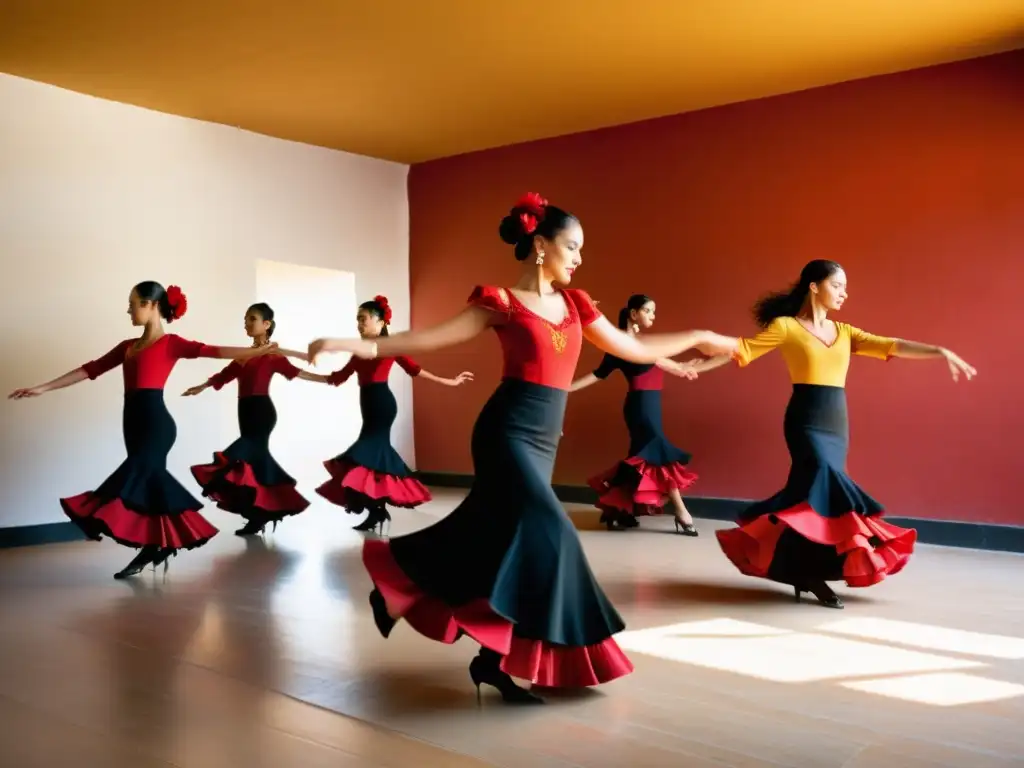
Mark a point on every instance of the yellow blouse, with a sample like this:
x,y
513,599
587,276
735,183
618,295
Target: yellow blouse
x,y
808,358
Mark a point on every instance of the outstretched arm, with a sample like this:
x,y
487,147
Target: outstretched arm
x,y
583,382
470,322
915,350
459,380
649,348
686,370
69,378
317,377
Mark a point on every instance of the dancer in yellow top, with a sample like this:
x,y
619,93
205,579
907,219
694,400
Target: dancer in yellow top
x,y
821,527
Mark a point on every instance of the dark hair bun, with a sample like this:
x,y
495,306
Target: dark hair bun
x,y
511,229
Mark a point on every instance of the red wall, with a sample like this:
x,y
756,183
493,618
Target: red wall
x,y
914,182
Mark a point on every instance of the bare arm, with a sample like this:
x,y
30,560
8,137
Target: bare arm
x,y
470,322
682,370
69,378
915,350
583,382
245,353
462,378
317,377
711,363
649,348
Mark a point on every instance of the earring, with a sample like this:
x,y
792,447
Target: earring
x,y
636,328
540,258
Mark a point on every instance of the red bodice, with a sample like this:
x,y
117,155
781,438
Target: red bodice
x,y
254,375
373,371
148,368
533,349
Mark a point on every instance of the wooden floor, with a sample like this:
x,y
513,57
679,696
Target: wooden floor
x,y
264,653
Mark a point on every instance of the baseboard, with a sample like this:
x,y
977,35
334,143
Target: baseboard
x,y
31,535
947,533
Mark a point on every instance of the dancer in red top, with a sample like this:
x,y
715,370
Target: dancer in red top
x,y
506,566
141,505
370,474
821,526
655,470
244,478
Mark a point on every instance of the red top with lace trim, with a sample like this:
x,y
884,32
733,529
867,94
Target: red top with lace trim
x,y
254,375
533,349
374,371
148,368
647,377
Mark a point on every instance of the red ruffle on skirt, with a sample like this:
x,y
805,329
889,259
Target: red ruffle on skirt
x,y
98,517
752,546
275,500
544,664
650,492
350,481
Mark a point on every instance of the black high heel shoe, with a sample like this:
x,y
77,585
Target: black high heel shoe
x,y
381,617
377,518
686,529
251,528
824,593
485,672
146,556
164,556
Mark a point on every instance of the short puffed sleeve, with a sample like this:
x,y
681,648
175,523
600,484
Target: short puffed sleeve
x,y
490,297
586,307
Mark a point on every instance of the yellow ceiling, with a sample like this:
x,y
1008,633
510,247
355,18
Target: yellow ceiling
x,y
411,80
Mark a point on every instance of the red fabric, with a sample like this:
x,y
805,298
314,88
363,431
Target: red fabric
x,y
374,371
652,379
751,547
274,499
149,367
346,478
255,374
650,492
112,518
542,663
533,349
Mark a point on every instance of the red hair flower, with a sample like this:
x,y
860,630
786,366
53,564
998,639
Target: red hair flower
x,y
177,301
382,301
531,211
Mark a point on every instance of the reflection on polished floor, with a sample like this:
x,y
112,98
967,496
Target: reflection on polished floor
x,y
263,653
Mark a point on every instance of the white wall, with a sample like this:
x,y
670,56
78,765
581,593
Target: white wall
x,y
96,196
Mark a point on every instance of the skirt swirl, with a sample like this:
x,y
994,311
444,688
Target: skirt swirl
x,y
371,472
640,483
822,525
506,566
244,478
141,504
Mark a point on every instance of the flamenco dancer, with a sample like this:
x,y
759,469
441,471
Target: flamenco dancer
x,y
370,474
244,478
506,566
821,527
141,505
655,470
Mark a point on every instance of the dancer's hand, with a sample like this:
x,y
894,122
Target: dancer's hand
x,y
21,394
461,379
685,370
958,365
194,390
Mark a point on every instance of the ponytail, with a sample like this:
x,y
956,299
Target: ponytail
x,y
789,303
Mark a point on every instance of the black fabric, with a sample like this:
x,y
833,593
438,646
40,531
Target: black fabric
x,y
610,364
257,418
510,541
372,449
817,434
142,481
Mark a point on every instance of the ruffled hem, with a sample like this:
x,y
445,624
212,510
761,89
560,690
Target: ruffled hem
x,y
874,549
234,487
110,517
542,663
647,489
351,486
